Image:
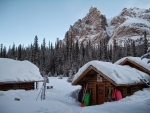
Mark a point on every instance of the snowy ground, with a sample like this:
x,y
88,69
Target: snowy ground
x,y
62,99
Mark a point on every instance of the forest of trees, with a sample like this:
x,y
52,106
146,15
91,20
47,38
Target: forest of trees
x,y
66,58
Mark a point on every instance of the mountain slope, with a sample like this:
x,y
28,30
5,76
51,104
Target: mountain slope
x,y
91,27
130,23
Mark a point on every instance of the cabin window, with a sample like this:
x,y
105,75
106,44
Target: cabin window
x,y
101,91
99,78
15,86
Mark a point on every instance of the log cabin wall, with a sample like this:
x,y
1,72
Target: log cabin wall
x,y
123,90
27,86
5,87
129,90
91,79
14,86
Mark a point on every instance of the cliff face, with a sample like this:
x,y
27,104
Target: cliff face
x,y
130,23
92,27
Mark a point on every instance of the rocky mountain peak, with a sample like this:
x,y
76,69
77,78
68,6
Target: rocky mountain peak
x,y
95,10
92,27
129,23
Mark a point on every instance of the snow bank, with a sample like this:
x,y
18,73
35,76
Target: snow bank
x,y
137,60
59,100
139,102
18,71
119,74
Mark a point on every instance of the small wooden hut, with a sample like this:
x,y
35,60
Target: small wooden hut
x,y
136,62
103,76
18,75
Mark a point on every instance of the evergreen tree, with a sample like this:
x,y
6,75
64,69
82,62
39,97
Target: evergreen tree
x,y
67,46
110,53
13,53
145,43
4,52
128,49
104,46
1,50
114,56
36,52
19,53
43,50
133,49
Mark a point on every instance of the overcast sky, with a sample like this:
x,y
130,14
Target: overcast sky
x,y
21,20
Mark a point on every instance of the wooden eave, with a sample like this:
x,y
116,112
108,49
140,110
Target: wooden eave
x,y
20,82
103,75
87,70
134,63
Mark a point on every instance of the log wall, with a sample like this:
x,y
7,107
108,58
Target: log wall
x,y
14,86
91,79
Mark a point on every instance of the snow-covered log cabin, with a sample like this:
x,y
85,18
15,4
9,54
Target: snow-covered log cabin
x,y
136,62
16,74
105,81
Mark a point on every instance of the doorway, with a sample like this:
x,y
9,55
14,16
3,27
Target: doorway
x,y
100,93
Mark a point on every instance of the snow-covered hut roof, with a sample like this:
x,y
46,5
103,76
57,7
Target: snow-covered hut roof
x,y
18,71
137,62
119,74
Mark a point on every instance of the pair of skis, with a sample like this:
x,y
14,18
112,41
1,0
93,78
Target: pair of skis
x,y
146,82
84,92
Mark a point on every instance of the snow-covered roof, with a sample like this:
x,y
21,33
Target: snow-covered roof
x,y
18,71
119,74
137,60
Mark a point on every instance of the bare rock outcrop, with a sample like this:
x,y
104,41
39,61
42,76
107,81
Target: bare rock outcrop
x,y
130,23
92,27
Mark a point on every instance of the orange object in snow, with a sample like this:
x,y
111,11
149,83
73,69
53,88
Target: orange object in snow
x,y
82,105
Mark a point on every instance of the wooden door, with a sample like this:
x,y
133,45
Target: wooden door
x,y
100,93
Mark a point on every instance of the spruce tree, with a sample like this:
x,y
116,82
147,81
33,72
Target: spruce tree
x,y
145,43
36,52
4,52
114,56
133,50
13,53
1,50
19,53
67,46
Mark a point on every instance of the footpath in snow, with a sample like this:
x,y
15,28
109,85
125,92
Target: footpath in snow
x,y
63,99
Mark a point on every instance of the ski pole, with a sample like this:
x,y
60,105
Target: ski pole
x,y
39,92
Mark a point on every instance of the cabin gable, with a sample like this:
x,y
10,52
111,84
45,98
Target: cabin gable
x,y
134,65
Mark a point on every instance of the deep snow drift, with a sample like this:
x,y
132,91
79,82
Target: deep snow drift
x,y
63,99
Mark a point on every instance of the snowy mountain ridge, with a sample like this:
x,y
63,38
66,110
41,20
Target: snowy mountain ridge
x,y
91,27
129,23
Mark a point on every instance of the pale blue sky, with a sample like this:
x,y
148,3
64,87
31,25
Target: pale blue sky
x,y
21,20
